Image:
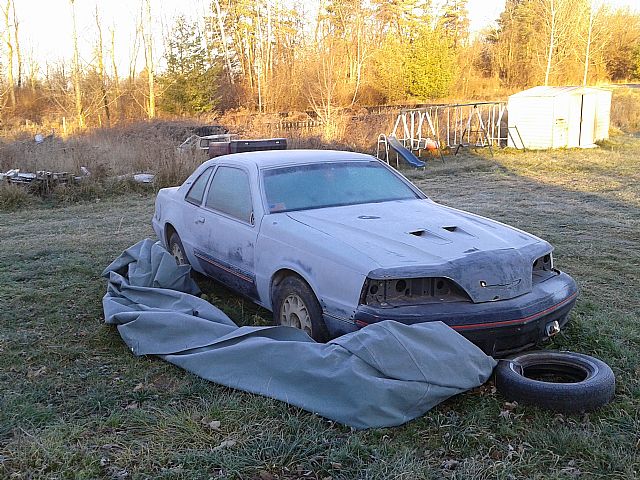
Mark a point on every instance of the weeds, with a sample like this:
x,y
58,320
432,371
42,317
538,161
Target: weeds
x,y
150,147
13,197
72,193
625,110
142,147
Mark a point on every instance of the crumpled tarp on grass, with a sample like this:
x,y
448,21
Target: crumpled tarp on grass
x,y
382,375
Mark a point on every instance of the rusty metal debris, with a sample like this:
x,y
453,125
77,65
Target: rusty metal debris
x,y
16,176
43,180
137,177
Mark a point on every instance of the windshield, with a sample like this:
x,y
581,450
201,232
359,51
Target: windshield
x,y
318,185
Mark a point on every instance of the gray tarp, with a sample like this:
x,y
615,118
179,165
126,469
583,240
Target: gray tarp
x,y
383,375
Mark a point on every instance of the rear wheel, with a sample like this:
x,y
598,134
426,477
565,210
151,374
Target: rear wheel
x,y
295,305
177,250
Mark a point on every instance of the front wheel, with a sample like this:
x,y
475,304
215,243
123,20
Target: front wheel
x,y
295,305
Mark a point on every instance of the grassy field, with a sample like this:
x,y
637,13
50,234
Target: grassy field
x,y
76,404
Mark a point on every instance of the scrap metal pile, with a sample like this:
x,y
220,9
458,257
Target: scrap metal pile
x,y
41,180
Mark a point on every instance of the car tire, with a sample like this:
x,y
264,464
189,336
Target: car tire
x,y
586,383
177,250
295,305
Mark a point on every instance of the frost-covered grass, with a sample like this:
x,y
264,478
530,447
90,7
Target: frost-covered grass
x,y
74,403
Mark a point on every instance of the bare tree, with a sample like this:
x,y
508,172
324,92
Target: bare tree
x,y
148,55
16,38
553,26
322,90
33,70
114,68
76,70
559,21
101,71
223,41
594,11
8,40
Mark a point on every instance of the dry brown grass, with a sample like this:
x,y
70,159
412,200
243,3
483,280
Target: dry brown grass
x,y
110,155
142,147
625,109
13,197
150,147
355,131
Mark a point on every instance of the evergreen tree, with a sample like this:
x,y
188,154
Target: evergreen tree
x,y
431,65
190,83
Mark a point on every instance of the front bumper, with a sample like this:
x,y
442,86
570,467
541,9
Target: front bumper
x,y
498,328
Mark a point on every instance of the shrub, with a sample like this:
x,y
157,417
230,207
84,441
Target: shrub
x,y
431,65
13,197
625,110
76,192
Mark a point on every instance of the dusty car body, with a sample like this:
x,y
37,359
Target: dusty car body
x,y
333,241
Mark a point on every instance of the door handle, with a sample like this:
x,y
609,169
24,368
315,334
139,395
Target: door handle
x,y
200,220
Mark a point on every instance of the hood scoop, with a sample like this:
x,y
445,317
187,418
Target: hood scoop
x,y
456,229
422,233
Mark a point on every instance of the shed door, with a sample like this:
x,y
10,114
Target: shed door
x,y
588,120
574,120
560,124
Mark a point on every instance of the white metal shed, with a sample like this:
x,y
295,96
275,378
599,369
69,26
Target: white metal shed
x,y
558,117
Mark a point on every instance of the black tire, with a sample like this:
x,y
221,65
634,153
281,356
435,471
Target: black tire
x,y
585,383
177,250
294,286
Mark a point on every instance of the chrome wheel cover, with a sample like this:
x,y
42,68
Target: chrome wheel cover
x,y
176,251
294,313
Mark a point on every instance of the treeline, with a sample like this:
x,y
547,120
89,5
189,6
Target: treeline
x,y
272,56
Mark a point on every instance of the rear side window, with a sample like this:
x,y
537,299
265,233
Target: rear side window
x,y
230,193
196,192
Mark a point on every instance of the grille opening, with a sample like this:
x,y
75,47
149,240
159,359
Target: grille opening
x,y
407,291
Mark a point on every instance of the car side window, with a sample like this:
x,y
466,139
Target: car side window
x,y
196,192
230,193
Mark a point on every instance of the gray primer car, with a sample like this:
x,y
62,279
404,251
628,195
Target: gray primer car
x,y
333,241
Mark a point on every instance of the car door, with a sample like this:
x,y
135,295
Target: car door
x,y
225,232
191,212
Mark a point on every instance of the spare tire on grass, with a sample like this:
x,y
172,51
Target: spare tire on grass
x,y
561,381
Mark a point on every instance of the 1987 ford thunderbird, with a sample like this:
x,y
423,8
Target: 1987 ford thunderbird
x,y
333,241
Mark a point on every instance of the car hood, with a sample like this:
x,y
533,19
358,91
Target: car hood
x,y
415,238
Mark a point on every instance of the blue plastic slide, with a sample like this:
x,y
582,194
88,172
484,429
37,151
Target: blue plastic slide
x,y
404,153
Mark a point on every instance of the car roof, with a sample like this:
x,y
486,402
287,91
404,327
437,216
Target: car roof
x,y
275,158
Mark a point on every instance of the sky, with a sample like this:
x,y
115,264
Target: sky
x,y
45,25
